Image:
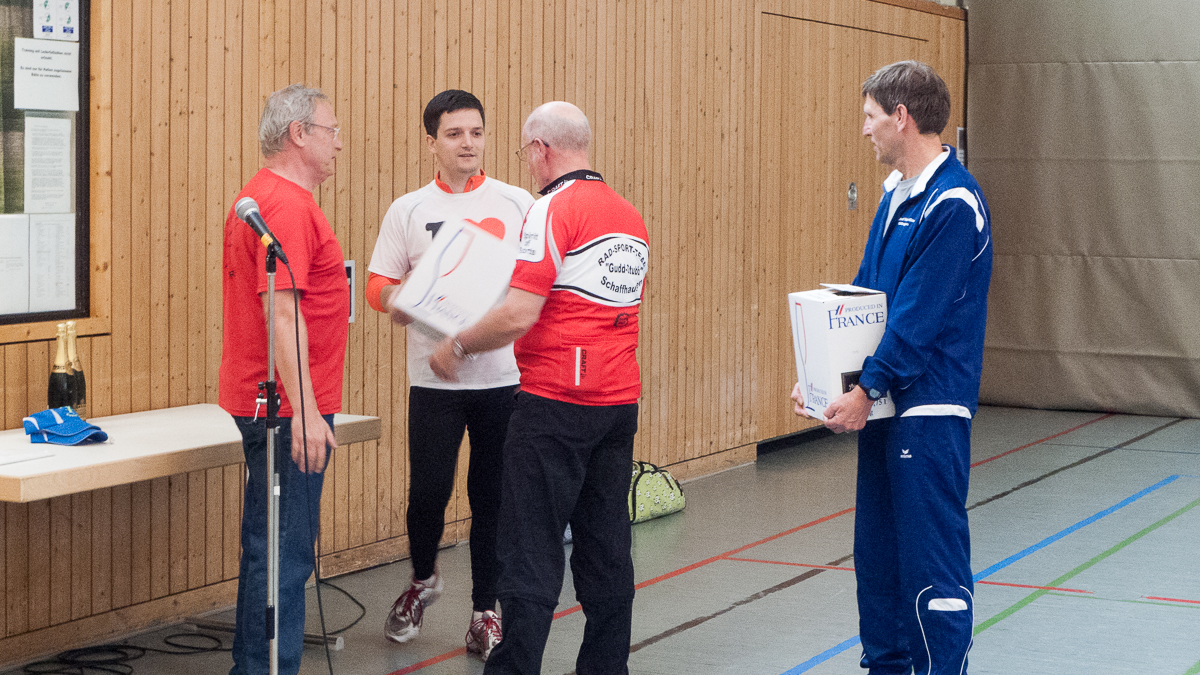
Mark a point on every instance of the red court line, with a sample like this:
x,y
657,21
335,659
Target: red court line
x,y
1027,445
649,582
1155,597
1036,588
793,564
723,556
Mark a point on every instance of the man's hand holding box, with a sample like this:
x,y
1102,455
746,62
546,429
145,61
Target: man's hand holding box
x,y
464,273
834,329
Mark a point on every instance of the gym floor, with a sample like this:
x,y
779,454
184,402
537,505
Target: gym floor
x,y
1085,536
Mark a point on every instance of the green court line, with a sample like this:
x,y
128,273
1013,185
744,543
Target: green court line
x,y
1020,604
1193,670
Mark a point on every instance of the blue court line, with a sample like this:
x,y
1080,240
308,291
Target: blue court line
x,y
1083,523
825,656
856,640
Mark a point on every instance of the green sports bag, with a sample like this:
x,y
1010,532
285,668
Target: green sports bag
x,y
653,492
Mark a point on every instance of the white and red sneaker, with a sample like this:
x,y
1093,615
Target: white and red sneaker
x,y
484,633
404,621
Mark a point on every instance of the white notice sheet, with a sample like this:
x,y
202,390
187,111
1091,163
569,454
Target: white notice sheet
x,y
14,263
51,262
47,165
45,75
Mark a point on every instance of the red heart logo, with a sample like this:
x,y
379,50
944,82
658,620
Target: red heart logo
x,y
493,226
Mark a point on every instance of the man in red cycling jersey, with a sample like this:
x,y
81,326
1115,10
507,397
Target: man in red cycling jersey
x,y
573,311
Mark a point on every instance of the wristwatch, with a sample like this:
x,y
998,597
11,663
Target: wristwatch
x,y
459,352
872,394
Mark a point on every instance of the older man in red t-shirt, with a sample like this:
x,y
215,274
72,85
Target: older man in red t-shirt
x,y
298,134
573,310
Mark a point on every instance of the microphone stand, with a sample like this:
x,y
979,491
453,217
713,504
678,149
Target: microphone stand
x,y
272,396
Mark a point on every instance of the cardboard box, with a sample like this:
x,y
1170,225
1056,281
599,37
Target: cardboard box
x,y
464,274
834,329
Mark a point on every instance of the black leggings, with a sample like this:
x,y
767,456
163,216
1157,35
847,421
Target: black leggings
x,y
436,420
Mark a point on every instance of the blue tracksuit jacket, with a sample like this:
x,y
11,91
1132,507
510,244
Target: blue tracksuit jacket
x,y
935,264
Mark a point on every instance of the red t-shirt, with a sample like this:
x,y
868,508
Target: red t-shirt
x,y
584,248
318,265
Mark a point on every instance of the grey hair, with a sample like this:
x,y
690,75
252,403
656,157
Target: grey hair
x,y
560,125
293,103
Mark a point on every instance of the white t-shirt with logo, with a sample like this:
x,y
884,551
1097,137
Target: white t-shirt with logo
x,y
408,229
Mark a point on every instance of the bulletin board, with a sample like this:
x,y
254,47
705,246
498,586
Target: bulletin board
x,y
44,246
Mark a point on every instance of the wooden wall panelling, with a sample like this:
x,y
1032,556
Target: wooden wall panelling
x,y
219,104
377,375
16,580
59,559
233,492
178,540
358,197
141,256
682,213
378,396
378,183
197,526
160,537
343,208
654,315
120,548
3,569
100,205
158,345
79,540
213,559
141,523
99,183
37,552
38,361
171,221
770,186
15,384
326,78
194,342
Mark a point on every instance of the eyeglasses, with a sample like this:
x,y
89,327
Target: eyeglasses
x,y
523,155
335,130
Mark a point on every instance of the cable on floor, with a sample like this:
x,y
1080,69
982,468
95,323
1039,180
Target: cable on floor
x,y
117,657
362,610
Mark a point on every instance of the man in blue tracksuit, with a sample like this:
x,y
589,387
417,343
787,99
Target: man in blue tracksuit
x,y
930,250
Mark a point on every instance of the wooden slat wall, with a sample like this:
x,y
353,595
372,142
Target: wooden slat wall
x,y
733,130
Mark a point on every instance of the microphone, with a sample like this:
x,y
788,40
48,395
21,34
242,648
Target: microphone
x,y
247,209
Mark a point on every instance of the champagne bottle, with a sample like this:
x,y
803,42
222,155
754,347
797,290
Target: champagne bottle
x,y
61,389
80,404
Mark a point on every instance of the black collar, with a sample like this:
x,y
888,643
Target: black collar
x,y
580,174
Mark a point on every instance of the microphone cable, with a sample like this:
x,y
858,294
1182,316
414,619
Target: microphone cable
x,y
116,657
312,524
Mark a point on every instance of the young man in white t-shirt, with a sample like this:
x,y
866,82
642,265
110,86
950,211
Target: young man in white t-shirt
x,y
481,400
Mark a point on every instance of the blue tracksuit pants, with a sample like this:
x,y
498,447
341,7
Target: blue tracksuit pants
x,y
912,551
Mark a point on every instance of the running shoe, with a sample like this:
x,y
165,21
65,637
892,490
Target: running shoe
x,y
484,634
404,621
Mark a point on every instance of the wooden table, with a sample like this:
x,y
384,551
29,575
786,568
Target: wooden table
x,y
141,446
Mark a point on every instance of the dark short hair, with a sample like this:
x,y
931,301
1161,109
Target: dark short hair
x,y
915,85
446,102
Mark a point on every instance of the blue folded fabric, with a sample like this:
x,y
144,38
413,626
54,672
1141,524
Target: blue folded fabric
x,y
62,426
